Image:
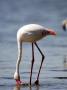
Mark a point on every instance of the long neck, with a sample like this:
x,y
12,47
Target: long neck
x,y
19,56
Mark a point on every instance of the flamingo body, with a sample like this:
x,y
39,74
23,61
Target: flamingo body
x,y
30,33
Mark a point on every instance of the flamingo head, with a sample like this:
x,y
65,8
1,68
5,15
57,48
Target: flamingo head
x,y
48,32
17,78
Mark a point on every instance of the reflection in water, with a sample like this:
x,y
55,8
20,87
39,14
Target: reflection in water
x,y
18,87
65,62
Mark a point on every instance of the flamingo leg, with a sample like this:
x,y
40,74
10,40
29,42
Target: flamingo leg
x,y
37,81
32,63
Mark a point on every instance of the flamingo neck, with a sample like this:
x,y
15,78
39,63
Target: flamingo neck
x,y
19,57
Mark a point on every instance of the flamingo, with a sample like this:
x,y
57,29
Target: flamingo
x,y
30,33
64,25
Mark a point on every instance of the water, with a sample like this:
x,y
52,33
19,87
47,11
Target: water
x,y
50,13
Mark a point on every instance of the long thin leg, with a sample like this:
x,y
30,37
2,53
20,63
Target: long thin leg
x,y
37,81
32,62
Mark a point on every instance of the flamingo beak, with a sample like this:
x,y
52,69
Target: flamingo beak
x,y
18,82
64,27
51,32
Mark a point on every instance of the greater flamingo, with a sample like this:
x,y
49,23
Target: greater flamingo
x,y
64,25
30,33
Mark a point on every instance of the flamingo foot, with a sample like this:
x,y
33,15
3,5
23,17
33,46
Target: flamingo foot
x,y
18,82
36,82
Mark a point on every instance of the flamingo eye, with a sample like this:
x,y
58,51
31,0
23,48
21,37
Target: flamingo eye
x,y
42,33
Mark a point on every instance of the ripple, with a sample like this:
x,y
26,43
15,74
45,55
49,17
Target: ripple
x,y
60,77
6,77
64,70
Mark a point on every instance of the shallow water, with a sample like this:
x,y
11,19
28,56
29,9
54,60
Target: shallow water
x,y
54,70
14,14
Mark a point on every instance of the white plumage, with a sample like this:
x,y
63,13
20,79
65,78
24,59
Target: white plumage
x,y
30,33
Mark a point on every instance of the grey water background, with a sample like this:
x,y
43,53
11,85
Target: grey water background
x,y
50,13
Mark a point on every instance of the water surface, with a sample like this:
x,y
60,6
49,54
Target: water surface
x,y
50,13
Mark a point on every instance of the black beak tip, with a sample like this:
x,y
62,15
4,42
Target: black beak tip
x,y
64,27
